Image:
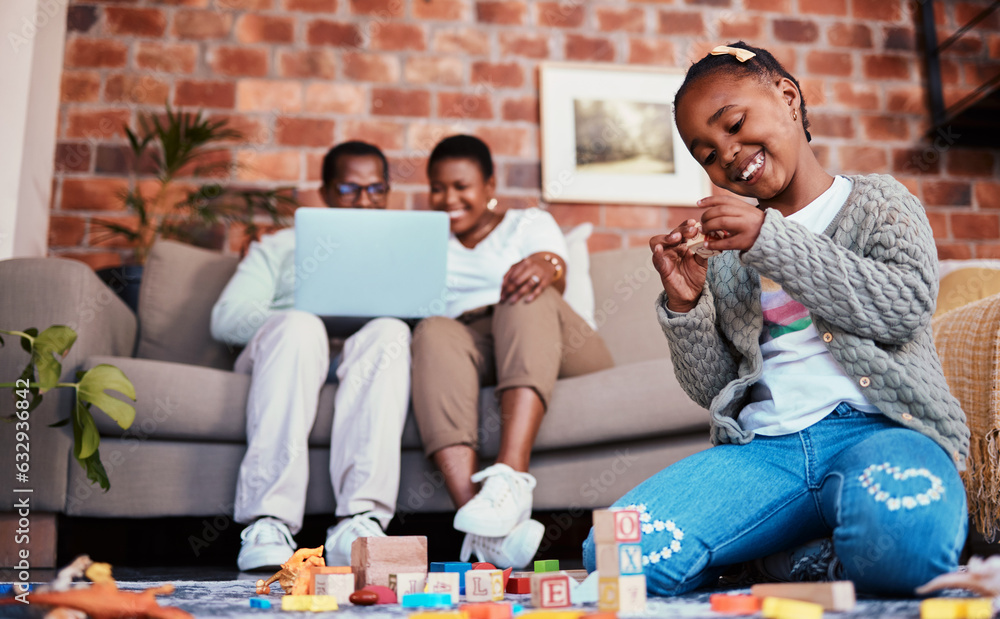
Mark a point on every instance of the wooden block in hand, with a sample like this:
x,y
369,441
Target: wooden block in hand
x,y
374,558
619,559
550,590
623,594
484,586
406,583
616,525
445,582
833,596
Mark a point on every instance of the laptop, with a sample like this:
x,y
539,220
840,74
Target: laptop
x,y
353,265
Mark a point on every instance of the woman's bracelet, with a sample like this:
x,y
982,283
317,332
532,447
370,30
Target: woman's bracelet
x,y
554,261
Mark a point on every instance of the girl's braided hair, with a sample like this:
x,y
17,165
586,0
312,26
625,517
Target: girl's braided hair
x,y
762,66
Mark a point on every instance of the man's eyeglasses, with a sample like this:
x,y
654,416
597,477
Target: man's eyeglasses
x,y
353,191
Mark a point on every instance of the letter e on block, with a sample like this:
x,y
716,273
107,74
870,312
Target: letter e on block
x,y
550,590
616,525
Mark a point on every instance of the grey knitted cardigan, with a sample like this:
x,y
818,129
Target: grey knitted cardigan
x,y
870,284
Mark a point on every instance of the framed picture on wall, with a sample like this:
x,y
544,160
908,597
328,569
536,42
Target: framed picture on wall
x,y
608,136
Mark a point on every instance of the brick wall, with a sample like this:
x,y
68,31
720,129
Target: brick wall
x,y
299,75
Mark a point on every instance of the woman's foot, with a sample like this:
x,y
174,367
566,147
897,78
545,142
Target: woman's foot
x,y
503,502
516,549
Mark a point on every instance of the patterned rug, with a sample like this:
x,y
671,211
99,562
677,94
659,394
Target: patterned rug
x,y
230,599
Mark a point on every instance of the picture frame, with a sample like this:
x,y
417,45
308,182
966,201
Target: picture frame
x,y
609,137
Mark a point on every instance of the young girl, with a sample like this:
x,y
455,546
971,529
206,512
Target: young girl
x,y
808,338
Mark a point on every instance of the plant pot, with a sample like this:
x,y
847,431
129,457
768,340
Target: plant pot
x,y
125,281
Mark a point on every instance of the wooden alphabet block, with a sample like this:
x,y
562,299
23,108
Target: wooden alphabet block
x,y
618,559
312,603
550,590
407,582
833,596
778,608
956,608
616,525
339,585
374,558
546,565
484,586
623,594
519,584
445,582
487,610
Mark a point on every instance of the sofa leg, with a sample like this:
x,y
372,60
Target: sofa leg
x,y
34,544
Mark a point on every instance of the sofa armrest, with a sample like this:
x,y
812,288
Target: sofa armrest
x,y
41,292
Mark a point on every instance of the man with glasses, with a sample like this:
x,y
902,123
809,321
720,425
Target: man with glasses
x,y
287,355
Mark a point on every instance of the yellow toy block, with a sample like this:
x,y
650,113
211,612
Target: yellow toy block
x,y
551,614
624,594
312,603
449,614
956,608
778,608
834,596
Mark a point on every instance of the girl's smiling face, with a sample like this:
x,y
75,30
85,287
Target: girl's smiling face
x,y
743,133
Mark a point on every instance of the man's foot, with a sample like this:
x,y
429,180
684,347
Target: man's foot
x,y
340,537
267,543
503,502
515,549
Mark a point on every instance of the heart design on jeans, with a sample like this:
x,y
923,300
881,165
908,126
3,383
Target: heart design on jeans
x,y
893,503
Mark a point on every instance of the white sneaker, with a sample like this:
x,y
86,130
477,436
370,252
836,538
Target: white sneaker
x,y
503,502
515,549
267,543
340,537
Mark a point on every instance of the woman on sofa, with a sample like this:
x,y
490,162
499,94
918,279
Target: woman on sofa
x,y
506,325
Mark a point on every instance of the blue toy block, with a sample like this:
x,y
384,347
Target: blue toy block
x,y
453,566
516,609
629,559
260,603
426,600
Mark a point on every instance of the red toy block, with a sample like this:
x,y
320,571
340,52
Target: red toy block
x,y
735,604
519,585
487,610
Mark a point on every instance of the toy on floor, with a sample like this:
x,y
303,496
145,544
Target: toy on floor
x,y
487,610
550,590
484,586
311,603
294,575
734,604
374,558
833,596
778,608
956,608
383,595
335,580
101,600
621,584
426,600
445,582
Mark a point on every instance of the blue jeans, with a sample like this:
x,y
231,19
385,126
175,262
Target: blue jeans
x,y
890,497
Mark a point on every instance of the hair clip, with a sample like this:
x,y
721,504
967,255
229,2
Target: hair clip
x,y
741,54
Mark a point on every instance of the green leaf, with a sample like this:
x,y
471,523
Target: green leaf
x,y
56,340
95,470
85,435
28,338
60,423
100,378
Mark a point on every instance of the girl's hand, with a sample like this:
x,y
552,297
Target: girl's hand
x,y
682,272
730,223
526,279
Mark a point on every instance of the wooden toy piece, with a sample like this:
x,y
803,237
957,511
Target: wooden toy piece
x,y
779,608
260,603
506,577
624,594
363,597
426,600
288,576
482,565
484,586
551,614
458,567
384,595
311,603
103,600
550,590
735,604
586,591
337,584
600,615
616,525
407,582
444,582
519,585
487,610
374,558
833,596
956,608
619,559
577,575
454,614
546,565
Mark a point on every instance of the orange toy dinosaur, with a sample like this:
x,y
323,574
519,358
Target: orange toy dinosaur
x,y
289,574
103,600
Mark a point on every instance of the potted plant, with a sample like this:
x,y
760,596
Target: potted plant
x,y
181,145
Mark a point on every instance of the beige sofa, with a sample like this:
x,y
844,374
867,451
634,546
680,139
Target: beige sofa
x,y
603,434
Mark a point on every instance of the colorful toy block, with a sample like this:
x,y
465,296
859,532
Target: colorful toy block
x,y
482,565
833,596
735,604
586,591
778,608
551,614
445,582
454,614
337,584
519,584
458,567
383,595
426,600
260,603
956,608
407,582
616,525
550,590
374,558
312,603
624,594
546,565
488,610
619,559
484,586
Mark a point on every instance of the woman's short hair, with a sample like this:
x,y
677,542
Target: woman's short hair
x,y
463,147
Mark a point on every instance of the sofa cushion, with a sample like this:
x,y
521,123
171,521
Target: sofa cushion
x,y
180,284
185,402
966,285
